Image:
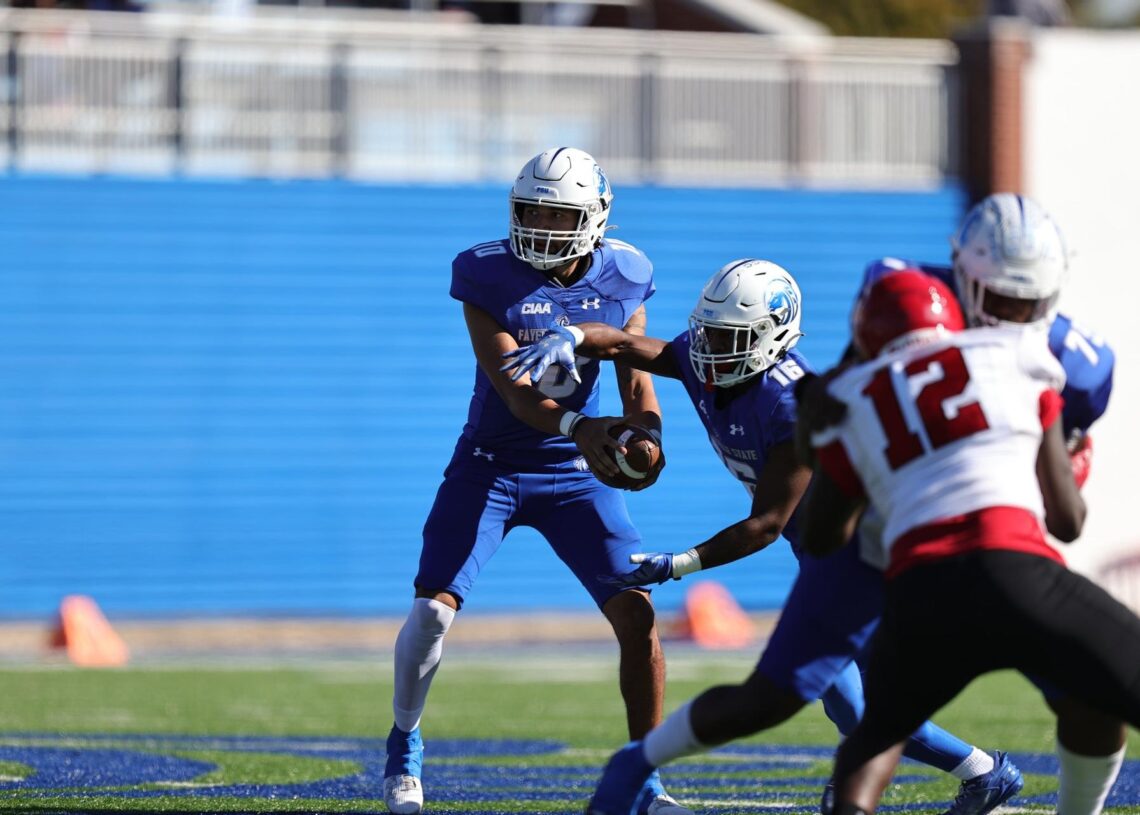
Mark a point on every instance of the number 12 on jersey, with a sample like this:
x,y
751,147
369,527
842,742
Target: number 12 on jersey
x,y
931,411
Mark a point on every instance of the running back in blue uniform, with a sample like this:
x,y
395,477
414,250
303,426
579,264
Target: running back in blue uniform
x,y
745,400
531,453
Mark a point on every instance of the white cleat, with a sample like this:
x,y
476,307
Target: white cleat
x,y
667,805
404,795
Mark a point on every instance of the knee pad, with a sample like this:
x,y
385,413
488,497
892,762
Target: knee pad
x,y
430,618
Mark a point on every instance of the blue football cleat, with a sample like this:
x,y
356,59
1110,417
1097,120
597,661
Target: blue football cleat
x,y
653,799
623,780
403,791
980,795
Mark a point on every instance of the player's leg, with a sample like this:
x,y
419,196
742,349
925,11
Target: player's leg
x,y
987,779
466,525
726,712
831,613
589,528
717,715
1089,645
1090,752
862,788
1073,634
907,679
641,665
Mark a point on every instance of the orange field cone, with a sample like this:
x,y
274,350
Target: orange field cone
x,y
89,639
712,618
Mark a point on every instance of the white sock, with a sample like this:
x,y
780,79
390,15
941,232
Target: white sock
x,y
975,764
1086,781
419,647
672,738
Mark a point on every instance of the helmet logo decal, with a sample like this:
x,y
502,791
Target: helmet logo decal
x,y
544,190
601,182
782,303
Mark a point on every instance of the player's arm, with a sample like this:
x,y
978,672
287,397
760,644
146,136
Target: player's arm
x,y
489,341
779,488
835,500
1064,508
638,400
630,347
635,385
598,341
816,409
829,516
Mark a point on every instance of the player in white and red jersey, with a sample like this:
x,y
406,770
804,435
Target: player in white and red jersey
x,y
953,436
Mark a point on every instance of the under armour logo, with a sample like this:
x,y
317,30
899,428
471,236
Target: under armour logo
x,y
479,452
736,430
595,303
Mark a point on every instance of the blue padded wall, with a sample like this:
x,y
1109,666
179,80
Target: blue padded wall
x,y
229,398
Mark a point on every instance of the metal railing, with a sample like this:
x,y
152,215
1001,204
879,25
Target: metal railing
x,y
421,98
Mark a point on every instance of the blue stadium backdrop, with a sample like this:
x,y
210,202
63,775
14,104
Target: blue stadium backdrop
x,y
238,398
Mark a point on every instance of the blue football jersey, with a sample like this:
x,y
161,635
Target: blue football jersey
x,y
744,429
525,302
1088,361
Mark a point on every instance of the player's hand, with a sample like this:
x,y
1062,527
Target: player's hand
x,y
656,567
592,435
816,410
555,348
815,407
1080,458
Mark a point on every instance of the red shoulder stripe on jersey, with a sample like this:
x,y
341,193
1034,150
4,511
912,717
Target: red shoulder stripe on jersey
x,y
1007,528
1049,405
834,461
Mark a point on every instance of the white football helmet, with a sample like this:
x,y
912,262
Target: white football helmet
x,y
560,177
748,314
1009,245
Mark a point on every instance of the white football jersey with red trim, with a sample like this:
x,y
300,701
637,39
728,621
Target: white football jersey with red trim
x,y
942,429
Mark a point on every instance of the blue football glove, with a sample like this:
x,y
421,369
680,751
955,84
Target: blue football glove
x,y
555,348
656,567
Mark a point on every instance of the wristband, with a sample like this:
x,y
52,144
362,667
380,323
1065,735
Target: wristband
x,y
577,333
686,563
569,419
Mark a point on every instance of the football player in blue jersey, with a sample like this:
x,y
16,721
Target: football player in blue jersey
x,y
739,367
1009,263
526,453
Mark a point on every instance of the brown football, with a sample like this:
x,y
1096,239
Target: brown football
x,y
642,456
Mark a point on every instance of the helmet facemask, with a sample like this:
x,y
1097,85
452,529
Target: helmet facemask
x,y
749,349
980,311
547,249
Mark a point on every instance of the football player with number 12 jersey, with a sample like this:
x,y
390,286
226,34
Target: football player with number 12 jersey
x,y
955,439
